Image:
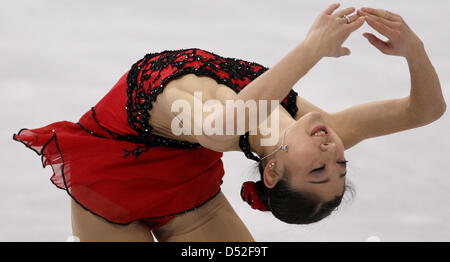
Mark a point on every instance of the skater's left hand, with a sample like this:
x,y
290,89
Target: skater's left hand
x,y
402,40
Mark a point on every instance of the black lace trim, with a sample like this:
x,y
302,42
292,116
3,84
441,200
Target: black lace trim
x,y
245,147
142,93
87,209
291,106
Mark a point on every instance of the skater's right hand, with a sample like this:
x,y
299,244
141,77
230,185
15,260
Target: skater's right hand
x,y
329,31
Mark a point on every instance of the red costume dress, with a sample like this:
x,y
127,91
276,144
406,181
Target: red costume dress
x,y
112,165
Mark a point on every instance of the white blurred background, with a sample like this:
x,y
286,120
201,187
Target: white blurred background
x,y
58,58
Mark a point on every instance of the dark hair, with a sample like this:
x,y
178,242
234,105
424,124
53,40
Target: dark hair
x,y
292,206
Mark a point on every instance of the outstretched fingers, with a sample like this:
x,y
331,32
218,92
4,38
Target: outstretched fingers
x,y
345,11
330,9
380,27
385,14
388,23
378,43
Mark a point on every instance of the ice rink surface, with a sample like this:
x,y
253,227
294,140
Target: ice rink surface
x,y
58,58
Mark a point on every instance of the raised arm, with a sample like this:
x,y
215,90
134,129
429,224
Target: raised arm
x,y
324,39
424,105
426,100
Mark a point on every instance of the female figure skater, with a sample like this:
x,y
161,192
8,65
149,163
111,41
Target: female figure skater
x,y
128,174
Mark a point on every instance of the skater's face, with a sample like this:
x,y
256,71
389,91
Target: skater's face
x,y
314,164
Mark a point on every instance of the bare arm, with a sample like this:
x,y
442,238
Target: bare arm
x,y
372,119
273,84
325,38
363,121
426,100
424,105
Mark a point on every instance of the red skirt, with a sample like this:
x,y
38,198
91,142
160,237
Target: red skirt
x,y
91,167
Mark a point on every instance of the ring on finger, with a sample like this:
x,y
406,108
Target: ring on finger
x,y
347,18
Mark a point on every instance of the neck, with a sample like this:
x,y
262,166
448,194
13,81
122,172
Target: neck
x,y
263,150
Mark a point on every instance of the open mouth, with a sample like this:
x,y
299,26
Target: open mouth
x,y
319,131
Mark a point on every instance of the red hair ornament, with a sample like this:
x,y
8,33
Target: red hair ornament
x,y
249,195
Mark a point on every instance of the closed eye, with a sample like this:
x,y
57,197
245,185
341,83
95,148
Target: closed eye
x,y
318,169
344,163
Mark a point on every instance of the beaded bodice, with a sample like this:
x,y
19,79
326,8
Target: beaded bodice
x,y
149,75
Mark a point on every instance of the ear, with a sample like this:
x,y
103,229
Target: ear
x,y
271,176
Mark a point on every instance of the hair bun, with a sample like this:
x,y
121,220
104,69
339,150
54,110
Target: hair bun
x,y
249,195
